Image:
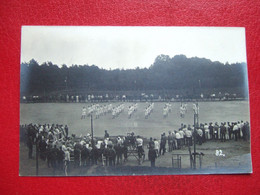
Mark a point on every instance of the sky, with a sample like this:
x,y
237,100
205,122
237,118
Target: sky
x,y
129,47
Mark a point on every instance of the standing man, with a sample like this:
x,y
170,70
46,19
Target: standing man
x,y
211,131
125,149
222,132
151,143
235,130
156,146
206,127
182,137
239,130
111,155
170,141
227,127
199,136
119,151
140,150
216,129
178,138
230,130
247,131
30,146
163,144
188,134
152,156
106,134
84,113
66,131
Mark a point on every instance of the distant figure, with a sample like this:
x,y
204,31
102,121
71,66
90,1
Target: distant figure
x,y
66,130
163,144
30,146
199,136
84,113
119,153
182,112
151,143
222,132
106,134
216,130
211,131
170,141
111,154
235,130
156,146
140,150
152,156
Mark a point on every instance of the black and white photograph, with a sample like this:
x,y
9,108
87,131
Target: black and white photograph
x,y
114,100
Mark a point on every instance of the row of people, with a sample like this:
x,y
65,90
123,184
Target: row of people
x,y
51,133
183,109
148,110
56,146
167,109
81,150
117,110
185,135
132,109
97,110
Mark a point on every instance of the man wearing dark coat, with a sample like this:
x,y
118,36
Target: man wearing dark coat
x,y
30,146
163,144
111,155
222,132
152,156
60,158
85,156
119,151
66,130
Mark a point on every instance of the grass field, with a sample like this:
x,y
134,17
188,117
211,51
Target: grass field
x,y
237,154
70,114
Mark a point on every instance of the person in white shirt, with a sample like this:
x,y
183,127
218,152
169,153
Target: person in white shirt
x,y
67,155
139,143
188,135
206,127
200,134
181,132
178,138
156,146
84,113
235,130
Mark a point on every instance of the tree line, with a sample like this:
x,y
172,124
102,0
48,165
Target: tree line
x,y
179,73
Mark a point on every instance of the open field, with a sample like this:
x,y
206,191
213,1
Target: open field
x,y
237,154
70,114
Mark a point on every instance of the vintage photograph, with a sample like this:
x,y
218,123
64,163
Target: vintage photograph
x,y
105,101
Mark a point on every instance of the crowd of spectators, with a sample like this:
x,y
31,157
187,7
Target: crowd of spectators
x,y
56,146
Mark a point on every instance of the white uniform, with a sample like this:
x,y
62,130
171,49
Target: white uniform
x,y
139,142
84,112
156,145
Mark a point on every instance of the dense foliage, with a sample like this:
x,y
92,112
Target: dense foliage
x,y
177,73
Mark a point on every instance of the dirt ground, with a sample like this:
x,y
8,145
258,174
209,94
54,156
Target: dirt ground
x,y
237,159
